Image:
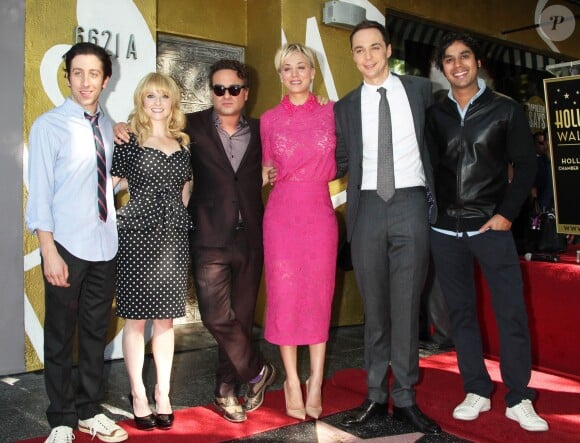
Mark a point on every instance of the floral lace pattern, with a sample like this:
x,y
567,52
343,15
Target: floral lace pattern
x,y
300,228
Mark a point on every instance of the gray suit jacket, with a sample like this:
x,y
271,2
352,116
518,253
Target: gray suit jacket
x,y
349,144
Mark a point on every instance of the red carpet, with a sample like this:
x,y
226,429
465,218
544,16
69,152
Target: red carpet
x,y
439,390
202,424
552,302
558,402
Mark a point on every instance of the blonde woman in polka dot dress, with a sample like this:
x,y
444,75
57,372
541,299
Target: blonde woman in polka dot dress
x,y
153,238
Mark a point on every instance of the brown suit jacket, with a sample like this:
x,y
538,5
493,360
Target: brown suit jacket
x,y
219,192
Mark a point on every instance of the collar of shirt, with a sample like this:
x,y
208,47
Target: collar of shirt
x,y
392,81
242,123
408,167
74,109
462,112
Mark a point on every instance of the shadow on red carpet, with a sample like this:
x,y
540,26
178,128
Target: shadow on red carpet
x,y
438,391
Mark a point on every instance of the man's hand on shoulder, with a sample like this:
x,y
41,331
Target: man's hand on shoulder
x,y
269,175
121,131
322,100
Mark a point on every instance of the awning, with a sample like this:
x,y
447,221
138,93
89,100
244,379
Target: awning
x,y
404,29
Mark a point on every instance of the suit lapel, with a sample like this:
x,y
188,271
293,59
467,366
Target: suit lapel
x,y
416,106
251,144
356,115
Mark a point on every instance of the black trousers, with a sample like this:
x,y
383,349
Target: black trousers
x,y
434,313
227,281
85,306
496,254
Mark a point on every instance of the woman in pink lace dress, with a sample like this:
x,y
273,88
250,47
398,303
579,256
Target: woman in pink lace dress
x,y
300,227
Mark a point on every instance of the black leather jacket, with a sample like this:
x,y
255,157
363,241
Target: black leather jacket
x,y
470,160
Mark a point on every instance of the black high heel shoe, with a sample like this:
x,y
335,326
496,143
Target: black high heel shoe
x,y
164,421
146,423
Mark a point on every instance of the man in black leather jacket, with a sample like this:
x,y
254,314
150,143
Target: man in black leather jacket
x,y
472,136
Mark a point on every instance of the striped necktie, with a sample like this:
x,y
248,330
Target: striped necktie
x,y
385,167
101,166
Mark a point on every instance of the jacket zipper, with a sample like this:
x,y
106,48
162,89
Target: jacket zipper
x,y
462,124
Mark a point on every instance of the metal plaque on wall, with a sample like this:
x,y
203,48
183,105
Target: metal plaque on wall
x,y
187,61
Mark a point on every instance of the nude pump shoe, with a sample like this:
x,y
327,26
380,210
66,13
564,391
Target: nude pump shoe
x,y
312,411
299,413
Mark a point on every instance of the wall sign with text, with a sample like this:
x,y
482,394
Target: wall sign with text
x,y
563,112
108,40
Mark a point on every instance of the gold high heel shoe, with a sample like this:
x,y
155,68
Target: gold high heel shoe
x,y
312,411
299,413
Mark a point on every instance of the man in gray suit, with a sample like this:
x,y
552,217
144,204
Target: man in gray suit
x,y
389,236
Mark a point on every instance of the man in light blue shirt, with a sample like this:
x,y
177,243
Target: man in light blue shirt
x,y
71,210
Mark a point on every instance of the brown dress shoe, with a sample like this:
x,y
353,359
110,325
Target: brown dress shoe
x,y
231,408
255,396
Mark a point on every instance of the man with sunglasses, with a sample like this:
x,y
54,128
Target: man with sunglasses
x,y
226,244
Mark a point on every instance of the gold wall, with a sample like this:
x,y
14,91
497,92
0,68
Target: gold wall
x,y
223,21
48,24
256,25
45,26
264,38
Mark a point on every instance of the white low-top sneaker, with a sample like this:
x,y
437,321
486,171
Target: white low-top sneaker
x,y
103,428
525,414
470,408
60,434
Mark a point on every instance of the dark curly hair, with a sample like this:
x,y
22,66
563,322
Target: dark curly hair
x,y
450,38
241,69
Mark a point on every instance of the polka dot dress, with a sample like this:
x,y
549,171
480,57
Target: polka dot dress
x,y
153,258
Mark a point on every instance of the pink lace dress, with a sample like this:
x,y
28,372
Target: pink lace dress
x,y
300,227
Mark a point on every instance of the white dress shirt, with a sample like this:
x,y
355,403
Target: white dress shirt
x,y
407,159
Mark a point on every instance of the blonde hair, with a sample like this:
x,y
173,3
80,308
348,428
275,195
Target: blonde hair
x,y
138,119
288,49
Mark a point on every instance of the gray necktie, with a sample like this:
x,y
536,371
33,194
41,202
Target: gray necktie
x,y
385,168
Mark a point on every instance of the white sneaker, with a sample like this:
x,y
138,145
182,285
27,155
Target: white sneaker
x,y
103,428
525,414
60,434
470,408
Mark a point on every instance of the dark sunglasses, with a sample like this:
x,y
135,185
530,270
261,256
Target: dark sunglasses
x,y
234,90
